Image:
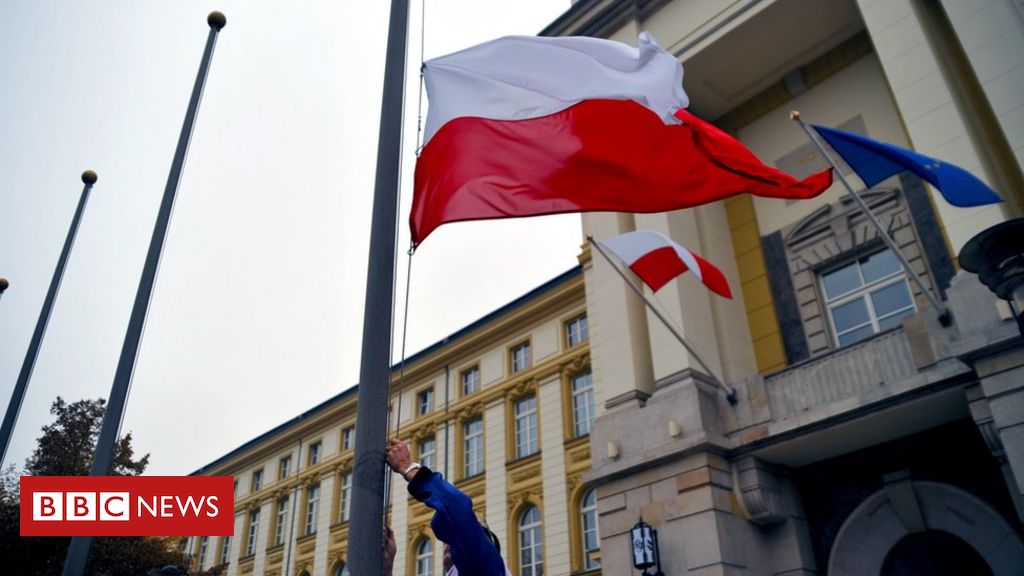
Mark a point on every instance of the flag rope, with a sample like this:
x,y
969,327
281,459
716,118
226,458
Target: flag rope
x,y
408,270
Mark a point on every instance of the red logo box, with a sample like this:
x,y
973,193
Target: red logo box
x,y
127,506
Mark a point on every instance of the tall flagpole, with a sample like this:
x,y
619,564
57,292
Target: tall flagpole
x,y
365,545
78,551
18,395
944,317
730,393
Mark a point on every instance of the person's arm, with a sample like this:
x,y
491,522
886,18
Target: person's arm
x,y
390,548
454,521
456,524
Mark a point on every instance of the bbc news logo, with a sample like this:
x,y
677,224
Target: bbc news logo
x,y
127,505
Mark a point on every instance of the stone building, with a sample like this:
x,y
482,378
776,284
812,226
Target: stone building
x,y
868,437
502,407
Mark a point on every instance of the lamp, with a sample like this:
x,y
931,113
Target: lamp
x,y
644,539
996,255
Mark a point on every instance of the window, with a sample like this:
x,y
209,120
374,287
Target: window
x,y
425,401
257,480
203,545
576,331
582,403
531,553
345,502
526,426
236,487
312,506
348,438
225,550
520,357
473,441
425,557
588,523
254,527
428,452
283,467
470,380
280,520
314,453
866,296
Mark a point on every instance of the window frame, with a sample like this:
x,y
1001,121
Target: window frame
x,y
420,556
591,407
252,532
474,369
862,292
582,511
284,465
314,452
225,549
348,438
422,456
280,519
345,496
256,481
537,536
311,510
424,408
479,436
531,417
528,362
585,332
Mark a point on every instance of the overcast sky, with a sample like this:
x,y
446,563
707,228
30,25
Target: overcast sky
x,y
257,312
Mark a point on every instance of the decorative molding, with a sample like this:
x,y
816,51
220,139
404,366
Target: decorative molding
x,y
761,488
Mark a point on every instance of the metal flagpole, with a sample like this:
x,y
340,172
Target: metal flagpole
x,y
365,545
944,317
730,393
11,416
78,551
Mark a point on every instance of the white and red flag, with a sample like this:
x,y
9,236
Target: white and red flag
x,y
656,259
522,126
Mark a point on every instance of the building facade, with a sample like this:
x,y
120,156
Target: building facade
x,y
868,438
503,408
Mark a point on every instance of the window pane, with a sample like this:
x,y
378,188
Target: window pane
x,y
880,265
839,282
856,335
850,315
891,299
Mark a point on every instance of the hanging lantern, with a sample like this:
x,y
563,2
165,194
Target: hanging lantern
x,y
645,545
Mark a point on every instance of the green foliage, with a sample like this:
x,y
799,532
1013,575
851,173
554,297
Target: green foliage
x,y
66,449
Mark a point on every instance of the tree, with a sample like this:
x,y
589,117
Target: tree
x,y
66,449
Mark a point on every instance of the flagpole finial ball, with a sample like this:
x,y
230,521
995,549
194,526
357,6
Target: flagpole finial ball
x,y
216,20
89,177
794,114
3,285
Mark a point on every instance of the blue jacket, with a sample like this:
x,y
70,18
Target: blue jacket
x,y
455,524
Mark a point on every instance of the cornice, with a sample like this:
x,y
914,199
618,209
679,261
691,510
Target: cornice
x,y
519,385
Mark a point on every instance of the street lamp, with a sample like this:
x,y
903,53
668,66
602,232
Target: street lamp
x,y
996,255
645,548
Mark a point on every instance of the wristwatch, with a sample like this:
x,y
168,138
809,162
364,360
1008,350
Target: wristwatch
x,y
410,468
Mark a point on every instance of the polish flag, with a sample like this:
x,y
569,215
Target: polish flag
x,y
656,259
522,126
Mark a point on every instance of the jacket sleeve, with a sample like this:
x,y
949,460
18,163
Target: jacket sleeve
x,y
455,524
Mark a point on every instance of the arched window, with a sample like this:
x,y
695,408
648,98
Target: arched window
x,y
341,570
591,538
425,557
531,551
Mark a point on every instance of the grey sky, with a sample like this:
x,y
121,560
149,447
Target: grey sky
x,y
257,312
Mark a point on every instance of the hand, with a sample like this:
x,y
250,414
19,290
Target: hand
x,y
398,456
390,549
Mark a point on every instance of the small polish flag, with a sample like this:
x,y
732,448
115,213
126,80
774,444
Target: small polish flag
x,y
656,259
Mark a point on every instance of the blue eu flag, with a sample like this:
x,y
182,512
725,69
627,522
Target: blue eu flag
x,y
875,161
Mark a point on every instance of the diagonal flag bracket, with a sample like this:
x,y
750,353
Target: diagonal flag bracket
x,y
730,393
945,318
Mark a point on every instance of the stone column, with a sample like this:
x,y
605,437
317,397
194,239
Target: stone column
x,y
236,544
557,557
323,523
263,535
494,467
